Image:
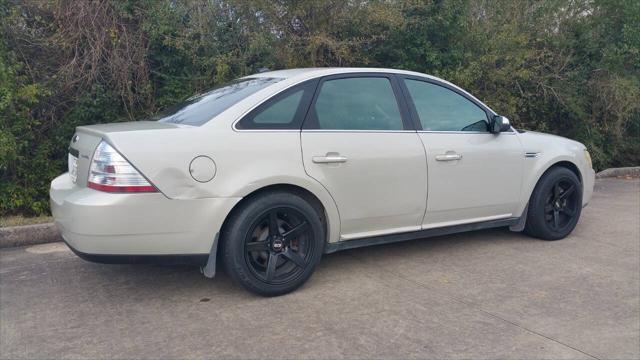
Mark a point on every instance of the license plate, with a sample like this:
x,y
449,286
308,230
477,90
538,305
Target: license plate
x,y
73,168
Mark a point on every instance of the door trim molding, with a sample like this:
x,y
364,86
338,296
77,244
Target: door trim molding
x,y
386,232
465,221
414,235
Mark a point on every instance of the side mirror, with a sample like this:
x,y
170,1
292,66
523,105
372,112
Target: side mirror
x,y
499,124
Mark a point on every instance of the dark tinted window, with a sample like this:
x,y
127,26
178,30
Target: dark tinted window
x,y
441,109
361,103
199,109
284,111
280,112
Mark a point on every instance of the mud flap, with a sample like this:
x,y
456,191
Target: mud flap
x,y
522,221
209,270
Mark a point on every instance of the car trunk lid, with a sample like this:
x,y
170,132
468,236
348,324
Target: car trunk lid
x,y
86,139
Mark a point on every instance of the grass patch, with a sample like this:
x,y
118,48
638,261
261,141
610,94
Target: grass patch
x,y
21,220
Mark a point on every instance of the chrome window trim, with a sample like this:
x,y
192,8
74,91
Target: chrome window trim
x,y
424,78
357,131
327,130
266,130
464,132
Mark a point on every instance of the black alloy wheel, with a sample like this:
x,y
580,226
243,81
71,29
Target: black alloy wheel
x,y
555,205
561,205
277,245
272,242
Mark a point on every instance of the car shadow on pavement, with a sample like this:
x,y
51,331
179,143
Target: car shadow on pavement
x,y
159,278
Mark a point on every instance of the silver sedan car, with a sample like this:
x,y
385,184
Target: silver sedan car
x,y
275,169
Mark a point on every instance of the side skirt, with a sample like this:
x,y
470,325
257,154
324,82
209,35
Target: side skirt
x,y
392,238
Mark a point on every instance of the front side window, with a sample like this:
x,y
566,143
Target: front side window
x,y
360,103
441,109
199,109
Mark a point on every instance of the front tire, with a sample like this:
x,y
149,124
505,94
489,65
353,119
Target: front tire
x,y
272,243
555,205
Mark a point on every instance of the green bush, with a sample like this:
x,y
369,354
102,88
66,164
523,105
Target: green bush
x,y
562,66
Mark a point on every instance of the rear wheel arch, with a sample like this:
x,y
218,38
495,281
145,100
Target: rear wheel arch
x,y
246,265
307,195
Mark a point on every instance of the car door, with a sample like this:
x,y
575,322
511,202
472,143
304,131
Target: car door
x,y
357,141
473,175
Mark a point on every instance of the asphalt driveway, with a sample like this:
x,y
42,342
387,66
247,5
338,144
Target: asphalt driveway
x,y
489,294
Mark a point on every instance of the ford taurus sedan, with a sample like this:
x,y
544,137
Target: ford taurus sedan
x,y
272,170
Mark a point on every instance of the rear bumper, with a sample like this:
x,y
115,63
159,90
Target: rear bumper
x,y
193,259
126,228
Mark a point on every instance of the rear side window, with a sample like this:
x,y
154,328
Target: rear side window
x,y
441,109
285,110
360,103
199,109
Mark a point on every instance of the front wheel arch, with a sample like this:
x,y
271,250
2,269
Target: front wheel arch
x,y
535,224
567,164
529,188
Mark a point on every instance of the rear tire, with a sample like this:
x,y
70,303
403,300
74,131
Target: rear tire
x,y
555,205
272,243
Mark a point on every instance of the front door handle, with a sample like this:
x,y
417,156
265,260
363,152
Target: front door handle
x,y
329,158
449,156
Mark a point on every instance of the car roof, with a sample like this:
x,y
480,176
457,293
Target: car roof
x,y
302,74
324,71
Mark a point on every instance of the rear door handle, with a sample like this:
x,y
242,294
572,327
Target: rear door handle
x,y
329,158
448,157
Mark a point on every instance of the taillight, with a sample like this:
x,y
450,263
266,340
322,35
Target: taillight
x,y
111,172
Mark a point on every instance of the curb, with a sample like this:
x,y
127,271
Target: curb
x,y
633,171
13,236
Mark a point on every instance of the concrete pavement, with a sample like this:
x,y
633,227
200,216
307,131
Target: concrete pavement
x,y
489,294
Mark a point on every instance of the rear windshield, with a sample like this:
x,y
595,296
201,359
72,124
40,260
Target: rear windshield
x,y
199,109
